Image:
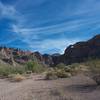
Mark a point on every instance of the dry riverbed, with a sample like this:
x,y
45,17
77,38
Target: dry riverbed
x,y
78,87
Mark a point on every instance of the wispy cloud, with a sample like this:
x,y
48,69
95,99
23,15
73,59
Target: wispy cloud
x,y
47,25
59,28
55,44
7,11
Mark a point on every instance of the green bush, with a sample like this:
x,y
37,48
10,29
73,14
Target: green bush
x,y
94,66
61,65
57,73
94,70
4,71
74,69
62,73
35,67
50,75
7,70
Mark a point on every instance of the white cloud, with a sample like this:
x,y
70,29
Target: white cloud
x,y
59,28
27,33
7,11
49,44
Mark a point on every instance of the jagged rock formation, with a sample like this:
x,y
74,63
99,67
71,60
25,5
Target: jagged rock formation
x,y
77,52
48,59
81,51
7,56
13,56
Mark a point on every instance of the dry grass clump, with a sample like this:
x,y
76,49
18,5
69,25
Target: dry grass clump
x,y
57,73
74,69
6,70
16,77
34,67
61,73
94,70
50,75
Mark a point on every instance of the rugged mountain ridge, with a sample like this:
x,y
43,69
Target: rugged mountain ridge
x,y
81,51
77,52
13,56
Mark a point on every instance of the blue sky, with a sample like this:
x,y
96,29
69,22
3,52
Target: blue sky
x,y
47,26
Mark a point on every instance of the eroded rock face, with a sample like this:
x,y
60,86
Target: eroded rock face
x,y
48,59
7,55
83,50
78,52
38,56
57,59
11,55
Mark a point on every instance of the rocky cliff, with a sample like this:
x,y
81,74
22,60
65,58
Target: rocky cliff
x,y
13,56
77,52
81,51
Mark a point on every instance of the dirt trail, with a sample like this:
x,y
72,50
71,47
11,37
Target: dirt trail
x,y
76,88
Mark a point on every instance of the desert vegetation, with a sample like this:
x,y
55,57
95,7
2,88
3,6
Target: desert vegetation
x,y
35,67
90,68
62,71
20,72
93,67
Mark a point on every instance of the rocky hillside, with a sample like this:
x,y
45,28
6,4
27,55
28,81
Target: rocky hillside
x,y
17,56
82,51
77,52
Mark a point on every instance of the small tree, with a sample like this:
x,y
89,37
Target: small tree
x,y
61,65
30,65
34,66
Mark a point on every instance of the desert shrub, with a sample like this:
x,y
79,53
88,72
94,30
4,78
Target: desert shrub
x,y
30,66
74,66
74,69
60,66
57,73
17,78
94,66
61,73
96,78
35,67
94,70
6,70
51,74
18,69
69,68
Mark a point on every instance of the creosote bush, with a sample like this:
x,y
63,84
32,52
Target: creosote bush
x,y
34,66
94,70
50,75
62,73
60,65
17,77
7,70
57,73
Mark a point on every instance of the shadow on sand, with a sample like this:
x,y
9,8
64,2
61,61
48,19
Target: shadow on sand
x,y
81,88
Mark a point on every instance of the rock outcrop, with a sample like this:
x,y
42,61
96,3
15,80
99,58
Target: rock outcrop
x,y
77,52
81,51
13,56
48,59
